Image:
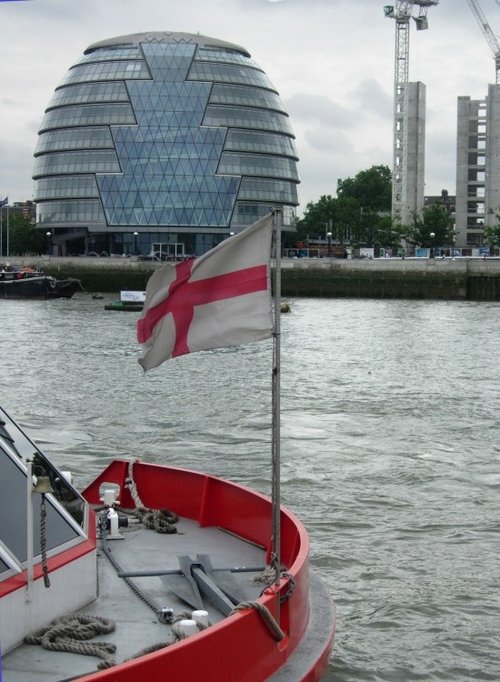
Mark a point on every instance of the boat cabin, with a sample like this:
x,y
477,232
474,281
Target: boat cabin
x,y
44,537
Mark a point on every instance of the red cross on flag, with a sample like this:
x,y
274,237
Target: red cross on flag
x,y
221,299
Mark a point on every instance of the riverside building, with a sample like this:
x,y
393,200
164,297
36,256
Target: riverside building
x,y
161,143
478,167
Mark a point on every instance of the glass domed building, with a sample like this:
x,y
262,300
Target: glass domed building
x,y
161,142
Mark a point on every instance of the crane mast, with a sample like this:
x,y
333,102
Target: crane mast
x,y
402,12
491,39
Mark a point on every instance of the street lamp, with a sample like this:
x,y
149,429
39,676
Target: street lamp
x,y
453,239
329,239
49,243
136,234
432,235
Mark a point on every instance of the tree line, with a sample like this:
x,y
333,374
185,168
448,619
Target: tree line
x,y
360,215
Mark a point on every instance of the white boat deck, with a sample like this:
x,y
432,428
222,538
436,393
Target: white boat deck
x,y
137,626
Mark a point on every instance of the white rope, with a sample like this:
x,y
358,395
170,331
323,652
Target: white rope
x,y
160,520
266,616
132,486
68,632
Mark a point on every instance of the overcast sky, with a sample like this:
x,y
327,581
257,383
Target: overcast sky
x,y
332,62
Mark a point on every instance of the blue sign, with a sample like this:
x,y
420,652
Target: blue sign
x,y
422,252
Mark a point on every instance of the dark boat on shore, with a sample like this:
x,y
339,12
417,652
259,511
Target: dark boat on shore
x,y
28,283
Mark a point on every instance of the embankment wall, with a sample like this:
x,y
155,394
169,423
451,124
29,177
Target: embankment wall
x,y
459,279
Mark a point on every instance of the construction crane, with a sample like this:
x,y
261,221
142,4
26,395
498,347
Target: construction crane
x,y
402,12
491,38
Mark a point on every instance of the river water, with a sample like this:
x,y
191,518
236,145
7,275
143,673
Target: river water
x,y
390,452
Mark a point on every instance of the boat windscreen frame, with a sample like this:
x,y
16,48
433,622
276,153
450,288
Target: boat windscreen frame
x,y
13,566
16,564
43,467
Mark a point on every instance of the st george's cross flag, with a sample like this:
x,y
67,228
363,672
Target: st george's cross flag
x,y
222,298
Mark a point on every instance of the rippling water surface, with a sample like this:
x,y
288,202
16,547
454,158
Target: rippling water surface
x,y
390,452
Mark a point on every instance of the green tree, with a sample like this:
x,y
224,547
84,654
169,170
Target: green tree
x,y
491,233
359,215
370,195
317,217
23,236
372,189
432,220
388,234
346,219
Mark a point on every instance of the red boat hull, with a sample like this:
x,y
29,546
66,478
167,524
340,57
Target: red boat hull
x,y
241,646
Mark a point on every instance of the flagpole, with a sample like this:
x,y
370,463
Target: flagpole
x,y
4,202
276,434
7,246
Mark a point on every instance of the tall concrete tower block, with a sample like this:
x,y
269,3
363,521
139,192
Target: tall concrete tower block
x,y
415,153
471,170
478,167
492,176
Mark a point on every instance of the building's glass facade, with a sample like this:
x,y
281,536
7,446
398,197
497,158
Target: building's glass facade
x,y
161,142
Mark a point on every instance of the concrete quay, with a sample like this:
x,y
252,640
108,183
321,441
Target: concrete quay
x,y
411,278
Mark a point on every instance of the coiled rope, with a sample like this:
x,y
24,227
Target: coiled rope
x,y
160,520
267,577
69,634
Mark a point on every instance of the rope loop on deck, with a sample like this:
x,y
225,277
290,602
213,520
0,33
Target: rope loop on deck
x,y
160,520
266,616
267,578
69,633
